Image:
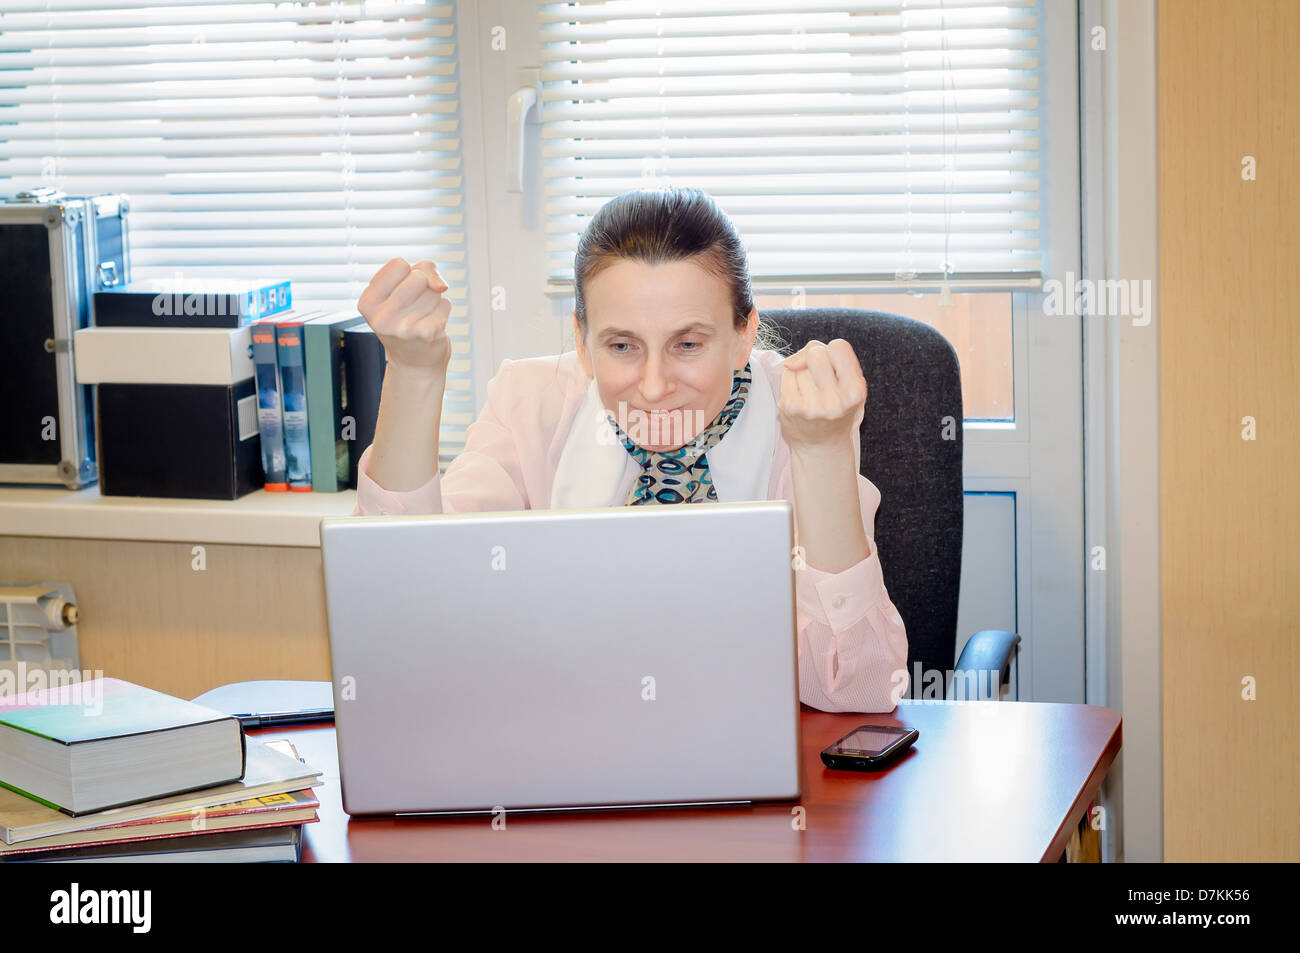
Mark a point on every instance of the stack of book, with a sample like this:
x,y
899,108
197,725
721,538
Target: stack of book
x,y
211,388
302,400
104,770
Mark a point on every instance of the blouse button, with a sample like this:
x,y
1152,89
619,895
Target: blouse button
x,y
838,603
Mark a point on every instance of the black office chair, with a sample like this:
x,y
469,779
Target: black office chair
x,y
913,403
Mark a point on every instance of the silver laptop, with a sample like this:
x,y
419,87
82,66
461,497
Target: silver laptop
x,y
555,659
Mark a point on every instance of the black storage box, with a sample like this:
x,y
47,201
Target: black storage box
x,y
179,440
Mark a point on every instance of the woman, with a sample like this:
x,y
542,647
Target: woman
x,y
666,399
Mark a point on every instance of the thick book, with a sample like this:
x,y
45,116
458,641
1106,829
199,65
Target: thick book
x,y
103,743
327,402
295,807
278,843
190,303
272,768
293,404
364,363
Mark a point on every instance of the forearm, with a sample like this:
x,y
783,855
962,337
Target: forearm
x,y
827,508
405,452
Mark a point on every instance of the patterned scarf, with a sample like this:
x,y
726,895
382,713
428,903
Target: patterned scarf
x,y
682,475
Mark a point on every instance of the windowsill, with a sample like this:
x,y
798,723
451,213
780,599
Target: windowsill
x,y
256,519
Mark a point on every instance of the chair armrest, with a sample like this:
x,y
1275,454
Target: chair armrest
x,y
989,650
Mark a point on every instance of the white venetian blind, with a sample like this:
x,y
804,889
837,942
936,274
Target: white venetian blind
x,y
308,141
879,142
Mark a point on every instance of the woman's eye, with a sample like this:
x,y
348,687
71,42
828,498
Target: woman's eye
x,y
623,347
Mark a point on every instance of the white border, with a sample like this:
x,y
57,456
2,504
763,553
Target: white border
x,y
1119,96
474,198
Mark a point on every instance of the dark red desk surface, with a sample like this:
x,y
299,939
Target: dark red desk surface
x,y
1003,781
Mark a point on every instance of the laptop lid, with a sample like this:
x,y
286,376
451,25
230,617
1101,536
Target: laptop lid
x,y
564,658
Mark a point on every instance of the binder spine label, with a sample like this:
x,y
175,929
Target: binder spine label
x,y
246,411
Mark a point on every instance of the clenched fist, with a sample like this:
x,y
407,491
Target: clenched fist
x,y
405,306
823,395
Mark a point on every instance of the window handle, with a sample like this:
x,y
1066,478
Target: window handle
x,y
518,110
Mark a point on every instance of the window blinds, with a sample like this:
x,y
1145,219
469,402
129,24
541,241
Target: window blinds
x,y
311,141
881,142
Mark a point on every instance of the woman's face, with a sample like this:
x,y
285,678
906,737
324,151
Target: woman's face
x,y
662,345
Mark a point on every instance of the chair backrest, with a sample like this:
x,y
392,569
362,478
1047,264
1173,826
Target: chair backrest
x,y
912,451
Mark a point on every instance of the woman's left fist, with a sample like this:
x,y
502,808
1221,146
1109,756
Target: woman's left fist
x,y
823,395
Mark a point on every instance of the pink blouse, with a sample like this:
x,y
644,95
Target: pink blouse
x,y
852,646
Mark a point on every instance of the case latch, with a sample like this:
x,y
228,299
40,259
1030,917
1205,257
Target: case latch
x,y
43,193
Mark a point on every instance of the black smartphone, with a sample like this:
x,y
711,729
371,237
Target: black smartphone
x,y
869,747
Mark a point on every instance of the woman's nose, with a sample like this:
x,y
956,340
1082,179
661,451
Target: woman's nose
x,y
654,382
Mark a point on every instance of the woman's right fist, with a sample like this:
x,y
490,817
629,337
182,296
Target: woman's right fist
x,y
405,307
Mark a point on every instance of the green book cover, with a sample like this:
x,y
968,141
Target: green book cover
x,y
323,357
97,709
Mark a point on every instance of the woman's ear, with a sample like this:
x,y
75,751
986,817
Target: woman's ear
x,y
747,339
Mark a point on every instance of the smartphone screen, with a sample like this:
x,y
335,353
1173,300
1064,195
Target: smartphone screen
x,y
869,741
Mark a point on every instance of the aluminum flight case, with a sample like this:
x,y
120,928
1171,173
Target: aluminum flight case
x,y
56,251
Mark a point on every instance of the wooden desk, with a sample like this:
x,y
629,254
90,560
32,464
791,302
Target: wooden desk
x,y
1004,781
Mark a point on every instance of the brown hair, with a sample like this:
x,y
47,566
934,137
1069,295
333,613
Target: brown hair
x,y
664,225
